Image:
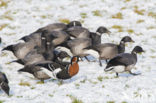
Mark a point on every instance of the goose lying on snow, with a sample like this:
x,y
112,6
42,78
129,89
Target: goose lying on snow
x,y
124,61
109,50
63,70
4,83
46,70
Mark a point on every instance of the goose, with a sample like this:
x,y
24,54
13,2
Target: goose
x,y
96,36
77,47
74,23
4,83
47,69
124,61
37,55
20,50
36,36
63,70
81,32
109,50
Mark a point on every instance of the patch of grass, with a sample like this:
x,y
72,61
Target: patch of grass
x,y
127,0
140,21
74,99
93,82
8,17
60,83
120,28
19,96
123,8
110,101
64,21
137,11
22,83
83,81
151,27
32,87
100,78
106,77
136,94
1,101
77,85
152,14
124,102
130,31
103,86
83,15
117,16
97,13
3,3
50,95
126,86
3,26
40,82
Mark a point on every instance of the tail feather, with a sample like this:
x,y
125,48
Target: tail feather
x,y
5,87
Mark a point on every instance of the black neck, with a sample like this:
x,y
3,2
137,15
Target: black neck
x,y
121,47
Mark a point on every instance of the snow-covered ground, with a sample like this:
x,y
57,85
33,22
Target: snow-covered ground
x,y
136,18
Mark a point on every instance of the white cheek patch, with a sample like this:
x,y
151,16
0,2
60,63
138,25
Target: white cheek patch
x,y
119,68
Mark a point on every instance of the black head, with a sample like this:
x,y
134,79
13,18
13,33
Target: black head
x,y
138,49
5,87
74,59
74,23
126,39
9,48
103,29
25,38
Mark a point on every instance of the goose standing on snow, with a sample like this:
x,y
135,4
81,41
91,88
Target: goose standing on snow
x,y
124,61
46,70
109,50
4,83
77,47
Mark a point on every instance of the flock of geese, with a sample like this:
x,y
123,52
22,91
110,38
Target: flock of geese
x,y
54,51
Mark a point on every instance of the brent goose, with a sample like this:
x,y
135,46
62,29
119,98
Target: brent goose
x,y
124,61
107,51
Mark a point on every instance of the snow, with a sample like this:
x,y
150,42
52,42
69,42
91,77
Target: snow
x,y
92,84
